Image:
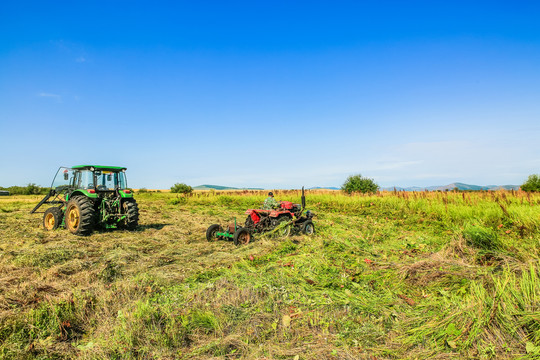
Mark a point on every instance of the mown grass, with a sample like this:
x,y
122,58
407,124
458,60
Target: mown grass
x,y
387,276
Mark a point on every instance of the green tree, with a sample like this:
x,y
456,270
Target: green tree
x,y
532,183
357,183
32,189
181,189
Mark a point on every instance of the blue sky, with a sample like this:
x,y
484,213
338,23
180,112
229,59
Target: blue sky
x,y
271,94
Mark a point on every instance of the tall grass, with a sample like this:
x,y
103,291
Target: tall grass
x,y
503,311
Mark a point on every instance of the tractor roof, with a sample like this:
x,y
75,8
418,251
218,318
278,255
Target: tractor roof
x,y
99,167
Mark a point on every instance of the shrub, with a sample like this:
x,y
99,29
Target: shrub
x,y
181,189
532,183
142,190
357,183
32,189
177,200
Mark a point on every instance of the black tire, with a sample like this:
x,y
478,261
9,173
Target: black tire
x,y
80,215
211,232
131,210
286,231
308,227
52,218
242,236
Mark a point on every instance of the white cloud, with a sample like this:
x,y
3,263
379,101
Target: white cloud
x,y
71,49
56,97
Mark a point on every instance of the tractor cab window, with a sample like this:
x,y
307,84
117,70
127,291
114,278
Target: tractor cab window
x,y
108,180
122,183
64,177
84,180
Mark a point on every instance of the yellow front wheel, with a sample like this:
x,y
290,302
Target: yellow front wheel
x,y
52,218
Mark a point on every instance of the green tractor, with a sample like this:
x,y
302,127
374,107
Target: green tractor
x,y
86,197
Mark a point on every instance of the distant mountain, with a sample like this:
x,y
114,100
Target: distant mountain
x,y
461,186
504,187
449,187
219,187
458,185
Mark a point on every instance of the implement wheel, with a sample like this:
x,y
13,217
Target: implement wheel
x,y
80,215
308,228
131,210
285,229
52,218
211,232
242,236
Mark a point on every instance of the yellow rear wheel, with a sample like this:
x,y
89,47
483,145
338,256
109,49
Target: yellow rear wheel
x,y
73,218
80,215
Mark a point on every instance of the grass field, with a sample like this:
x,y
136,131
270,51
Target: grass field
x,y
388,276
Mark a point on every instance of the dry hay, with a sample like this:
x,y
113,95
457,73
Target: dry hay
x,y
436,269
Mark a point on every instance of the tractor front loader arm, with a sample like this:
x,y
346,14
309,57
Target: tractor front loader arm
x,y
52,193
43,201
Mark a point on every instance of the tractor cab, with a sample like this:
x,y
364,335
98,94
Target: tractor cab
x,y
90,177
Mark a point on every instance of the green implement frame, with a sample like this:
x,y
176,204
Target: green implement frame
x,y
227,233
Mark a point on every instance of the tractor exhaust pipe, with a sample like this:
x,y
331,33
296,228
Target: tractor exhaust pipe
x,y
303,199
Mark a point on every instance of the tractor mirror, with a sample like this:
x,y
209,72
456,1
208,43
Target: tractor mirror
x,y
66,176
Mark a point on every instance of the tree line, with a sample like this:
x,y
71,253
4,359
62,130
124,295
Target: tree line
x,y
30,189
